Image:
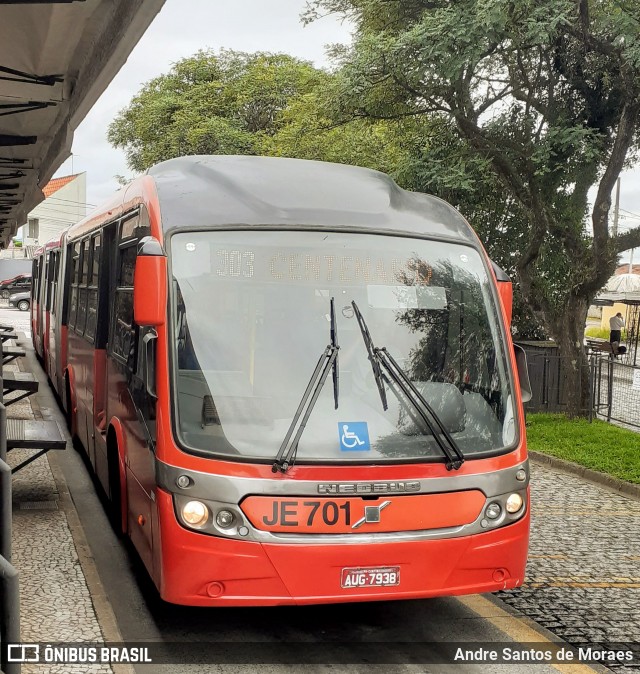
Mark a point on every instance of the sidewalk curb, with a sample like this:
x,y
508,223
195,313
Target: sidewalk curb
x,y
474,602
613,483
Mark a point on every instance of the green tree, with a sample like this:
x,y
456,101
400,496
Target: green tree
x,y
305,130
237,103
210,103
545,95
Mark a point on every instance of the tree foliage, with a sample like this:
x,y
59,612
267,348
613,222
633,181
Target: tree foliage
x,y
544,97
211,103
237,103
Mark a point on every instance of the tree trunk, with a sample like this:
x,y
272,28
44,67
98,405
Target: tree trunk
x,y
574,369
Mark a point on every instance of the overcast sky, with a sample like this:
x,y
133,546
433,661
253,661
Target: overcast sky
x,y
185,26
181,29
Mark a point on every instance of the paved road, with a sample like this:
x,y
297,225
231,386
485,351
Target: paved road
x,y
19,319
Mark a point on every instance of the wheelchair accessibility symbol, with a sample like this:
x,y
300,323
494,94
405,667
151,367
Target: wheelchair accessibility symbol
x,y
354,436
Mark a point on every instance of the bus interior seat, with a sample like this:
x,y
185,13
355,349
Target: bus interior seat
x,y
447,402
477,408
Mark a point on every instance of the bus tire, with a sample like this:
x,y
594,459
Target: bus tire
x,y
115,486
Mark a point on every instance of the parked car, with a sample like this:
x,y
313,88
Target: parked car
x,y
20,283
13,278
21,300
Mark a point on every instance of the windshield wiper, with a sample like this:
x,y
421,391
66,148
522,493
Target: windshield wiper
x,y
408,395
327,361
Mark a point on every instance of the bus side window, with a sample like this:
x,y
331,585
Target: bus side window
x,y
54,282
92,292
82,288
123,329
50,270
75,277
34,277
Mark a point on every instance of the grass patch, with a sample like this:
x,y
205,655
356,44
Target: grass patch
x,y
598,445
602,333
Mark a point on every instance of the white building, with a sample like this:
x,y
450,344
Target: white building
x,y
64,205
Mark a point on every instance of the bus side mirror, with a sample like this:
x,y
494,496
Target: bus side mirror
x,y
523,373
150,284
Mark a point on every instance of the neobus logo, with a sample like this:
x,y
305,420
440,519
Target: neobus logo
x,y
369,487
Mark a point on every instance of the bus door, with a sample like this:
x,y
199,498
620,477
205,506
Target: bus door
x,y
81,345
125,399
35,302
43,273
47,293
93,362
42,309
98,319
53,347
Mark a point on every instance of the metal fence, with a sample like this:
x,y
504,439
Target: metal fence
x,y
549,383
613,387
616,391
9,587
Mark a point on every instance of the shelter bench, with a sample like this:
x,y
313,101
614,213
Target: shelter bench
x,y
23,383
39,435
601,346
10,353
42,436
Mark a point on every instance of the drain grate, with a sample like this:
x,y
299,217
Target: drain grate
x,y
38,505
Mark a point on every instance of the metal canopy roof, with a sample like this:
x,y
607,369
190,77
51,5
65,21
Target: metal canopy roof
x,y
56,59
623,288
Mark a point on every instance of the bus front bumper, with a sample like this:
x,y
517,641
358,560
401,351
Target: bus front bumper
x,y
200,570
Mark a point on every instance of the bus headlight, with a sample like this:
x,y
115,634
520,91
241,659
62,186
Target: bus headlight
x,y
493,511
195,513
514,503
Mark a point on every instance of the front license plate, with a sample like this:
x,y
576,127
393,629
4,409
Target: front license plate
x,y
380,576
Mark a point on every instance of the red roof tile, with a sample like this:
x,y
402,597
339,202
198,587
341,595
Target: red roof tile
x,y
55,184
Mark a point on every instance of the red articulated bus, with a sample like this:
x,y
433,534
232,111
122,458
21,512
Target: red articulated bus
x,y
295,382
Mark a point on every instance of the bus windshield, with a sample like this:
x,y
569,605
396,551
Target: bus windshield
x,y
251,315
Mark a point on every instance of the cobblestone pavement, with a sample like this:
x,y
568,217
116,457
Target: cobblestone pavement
x,y
583,574
55,602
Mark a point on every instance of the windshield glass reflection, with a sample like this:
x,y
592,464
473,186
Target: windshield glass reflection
x,y
251,316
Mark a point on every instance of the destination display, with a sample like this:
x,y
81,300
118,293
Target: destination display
x,y
302,265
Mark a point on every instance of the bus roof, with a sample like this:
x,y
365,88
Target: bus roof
x,y
200,191
55,242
